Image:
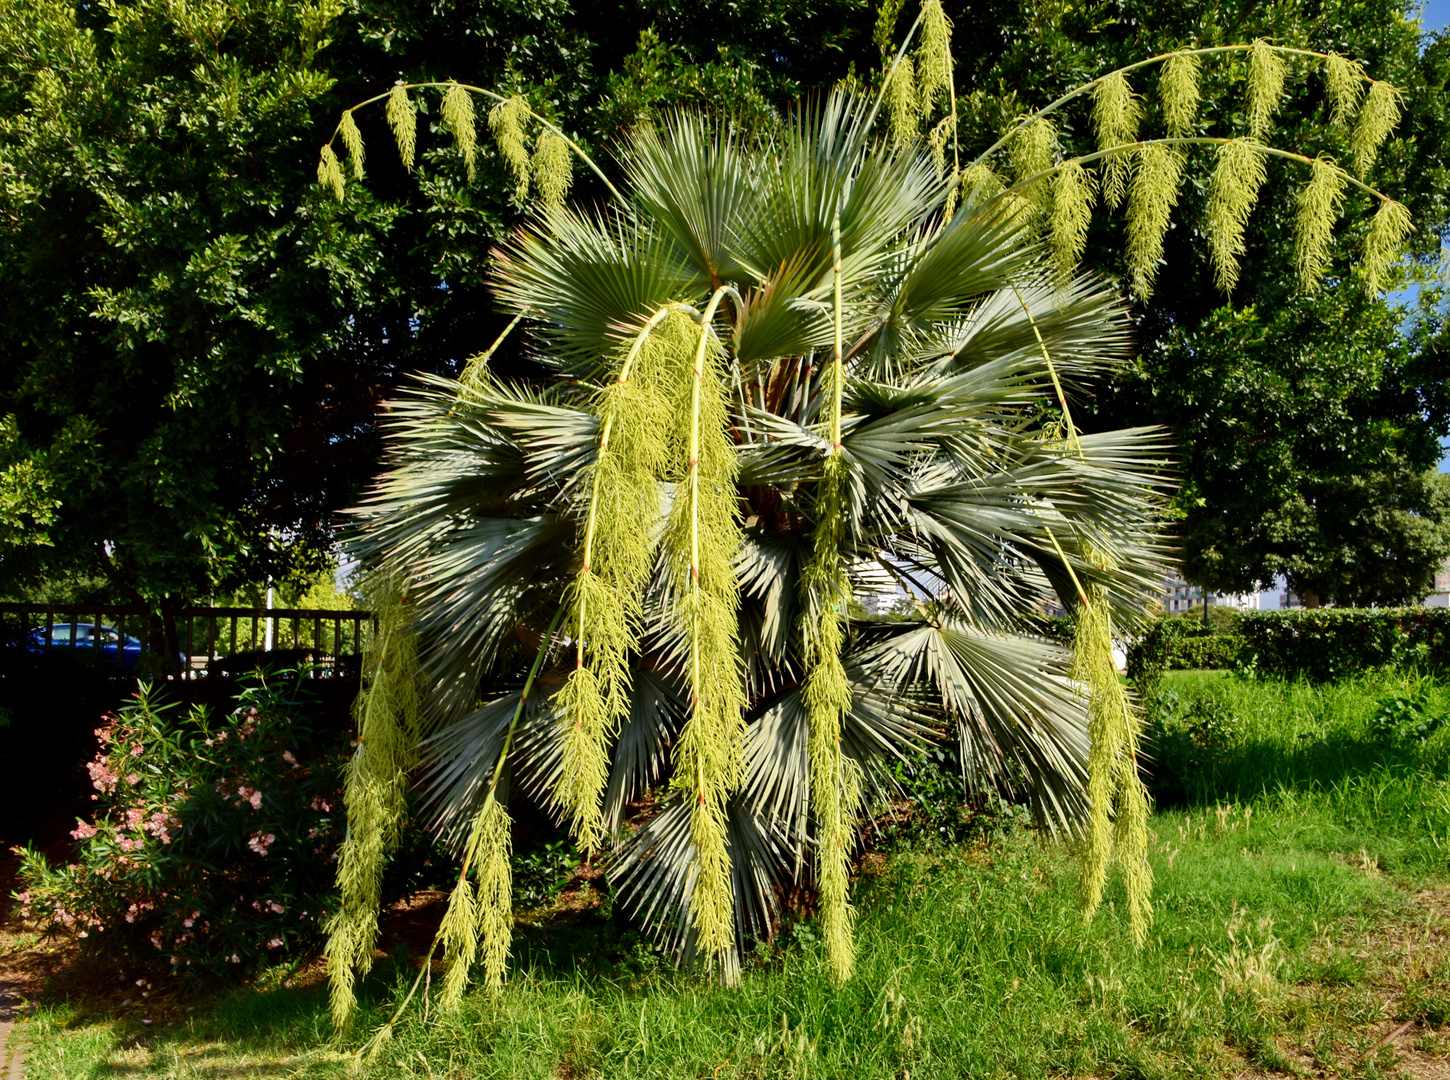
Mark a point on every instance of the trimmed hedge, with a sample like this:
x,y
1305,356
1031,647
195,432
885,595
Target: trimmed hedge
x,y
1325,643
1212,651
1178,643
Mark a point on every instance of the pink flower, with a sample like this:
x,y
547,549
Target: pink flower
x,y
102,778
289,759
133,779
319,803
256,800
83,830
260,843
159,823
275,943
134,818
275,908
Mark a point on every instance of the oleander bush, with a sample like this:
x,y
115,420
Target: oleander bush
x,y
212,848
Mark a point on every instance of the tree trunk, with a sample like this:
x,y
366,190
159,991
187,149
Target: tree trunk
x,y
161,623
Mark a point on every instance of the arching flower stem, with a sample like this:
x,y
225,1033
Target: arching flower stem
x,y
891,71
1200,140
1112,727
385,1031
1087,87
837,315
1056,382
492,95
693,480
625,370
478,362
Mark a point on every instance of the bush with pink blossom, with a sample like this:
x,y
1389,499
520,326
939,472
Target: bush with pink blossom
x,y
214,842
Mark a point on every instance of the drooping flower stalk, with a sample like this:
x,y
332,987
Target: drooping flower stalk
x,y
479,918
702,539
374,788
835,788
616,557
1113,736
494,926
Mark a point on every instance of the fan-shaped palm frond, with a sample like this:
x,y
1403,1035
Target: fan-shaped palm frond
x,y
914,449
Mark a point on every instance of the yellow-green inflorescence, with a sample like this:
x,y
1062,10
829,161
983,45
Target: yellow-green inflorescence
x,y
1032,155
1237,176
479,919
835,779
1073,190
635,411
1118,824
403,120
387,711
1318,209
1116,112
352,140
506,123
1265,88
458,115
1178,94
1152,195
701,542
835,783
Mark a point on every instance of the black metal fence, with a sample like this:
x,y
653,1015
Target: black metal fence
x,y
208,639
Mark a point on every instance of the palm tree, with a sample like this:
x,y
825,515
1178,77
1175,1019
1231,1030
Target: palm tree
x,y
783,378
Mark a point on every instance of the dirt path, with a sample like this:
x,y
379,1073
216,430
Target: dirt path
x,y
12,1062
16,982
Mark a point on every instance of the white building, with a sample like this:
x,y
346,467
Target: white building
x,y
1179,597
1440,597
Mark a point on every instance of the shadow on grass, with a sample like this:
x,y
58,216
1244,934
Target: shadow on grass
x,y
1215,737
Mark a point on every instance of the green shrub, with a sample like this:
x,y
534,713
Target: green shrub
x,y
212,849
1213,651
1324,644
1178,644
1405,717
1188,744
935,811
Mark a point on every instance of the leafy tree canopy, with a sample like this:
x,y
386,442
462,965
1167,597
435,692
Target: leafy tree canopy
x,y
197,342
173,327
1308,439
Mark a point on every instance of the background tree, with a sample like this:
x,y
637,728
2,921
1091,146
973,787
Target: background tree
x,y
1022,55
1309,448
179,393
174,333
196,342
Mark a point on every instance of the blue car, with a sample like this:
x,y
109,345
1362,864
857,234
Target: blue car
x,y
104,639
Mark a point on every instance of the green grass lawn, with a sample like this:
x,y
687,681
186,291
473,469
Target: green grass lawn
x,y
1300,918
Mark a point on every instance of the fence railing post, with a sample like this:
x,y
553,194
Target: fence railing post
x,y
104,627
